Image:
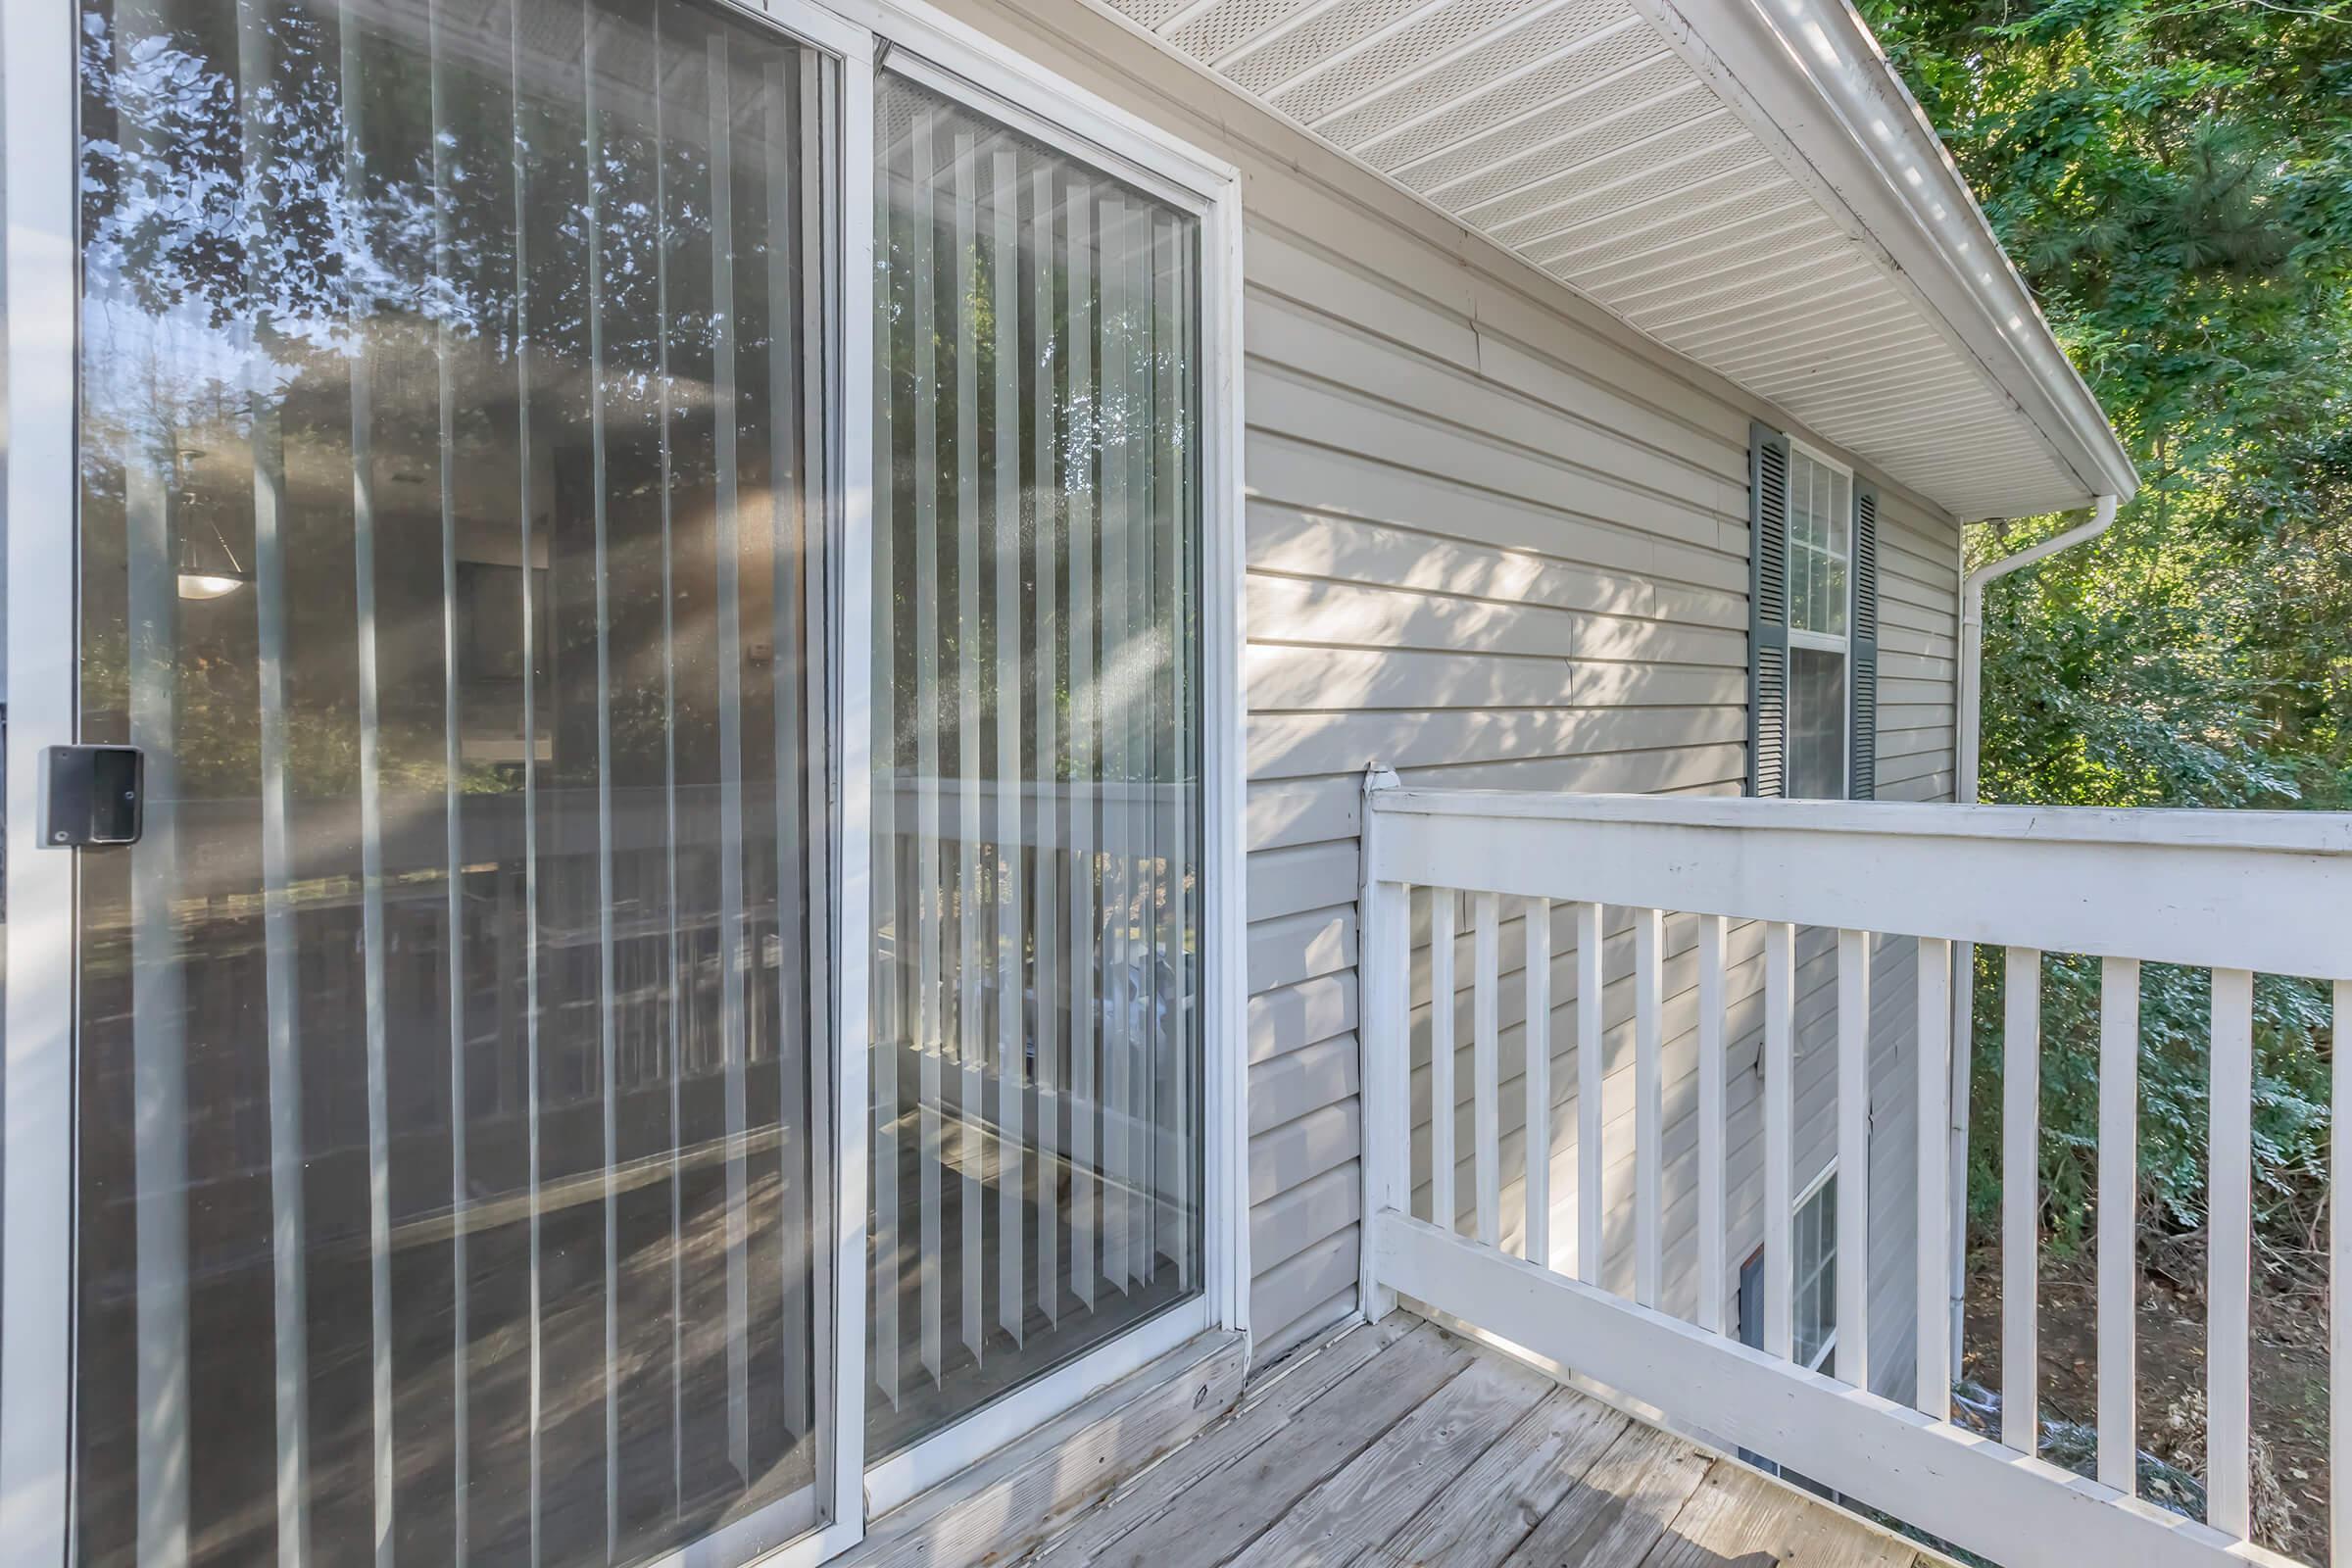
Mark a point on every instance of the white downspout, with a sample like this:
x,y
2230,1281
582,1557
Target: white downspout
x,y
1971,722
1971,632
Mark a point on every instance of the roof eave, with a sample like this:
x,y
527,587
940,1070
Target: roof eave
x,y
1809,74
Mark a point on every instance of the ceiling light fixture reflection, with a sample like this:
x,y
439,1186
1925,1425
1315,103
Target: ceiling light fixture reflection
x,y
209,584
213,574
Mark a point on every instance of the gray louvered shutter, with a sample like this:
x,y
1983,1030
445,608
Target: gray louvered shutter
x,y
1862,732
1768,611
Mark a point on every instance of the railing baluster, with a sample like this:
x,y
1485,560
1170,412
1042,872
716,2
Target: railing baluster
x,y
2339,1288
1649,1105
1485,1068
1588,1092
2229,1230
1854,1157
1442,1208
1713,932
1537,926
1780,1003
2021,1196
1933,1355
2117,1201
1385,978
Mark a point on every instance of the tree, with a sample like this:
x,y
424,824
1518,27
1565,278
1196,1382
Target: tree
x,y
2173,178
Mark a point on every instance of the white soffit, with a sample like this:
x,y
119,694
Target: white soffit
x,y
1691,172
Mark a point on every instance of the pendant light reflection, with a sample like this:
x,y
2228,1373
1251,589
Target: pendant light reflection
x,y
208,584
203,574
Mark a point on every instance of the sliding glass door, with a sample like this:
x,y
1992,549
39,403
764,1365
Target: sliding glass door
x,y
1038,839
454,1096
523,452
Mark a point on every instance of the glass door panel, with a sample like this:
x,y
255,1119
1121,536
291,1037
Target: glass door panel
x,y
1037,825
455,1100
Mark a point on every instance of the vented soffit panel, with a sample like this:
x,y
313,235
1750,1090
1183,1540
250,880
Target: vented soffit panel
x,y
1752,188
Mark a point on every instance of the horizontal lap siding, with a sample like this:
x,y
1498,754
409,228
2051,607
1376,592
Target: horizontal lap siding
x,y
1463,580
1494,538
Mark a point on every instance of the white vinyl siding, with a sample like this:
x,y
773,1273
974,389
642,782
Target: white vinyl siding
x,y
1495,538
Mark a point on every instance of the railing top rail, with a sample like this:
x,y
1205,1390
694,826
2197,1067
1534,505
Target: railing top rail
x,y
2325,833
2264,892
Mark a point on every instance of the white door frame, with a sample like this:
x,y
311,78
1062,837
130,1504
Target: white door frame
x,y
37,40
38,53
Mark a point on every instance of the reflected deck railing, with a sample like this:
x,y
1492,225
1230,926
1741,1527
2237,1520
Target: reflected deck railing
x,y
2236,893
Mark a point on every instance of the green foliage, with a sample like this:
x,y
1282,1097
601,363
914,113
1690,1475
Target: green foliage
x,y
2173,178
2290,1098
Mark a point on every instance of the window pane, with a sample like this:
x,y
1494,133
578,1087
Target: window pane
x,y
451,1077
1802,477
1817,720
1800,540
1836,525
1037,822
1820,508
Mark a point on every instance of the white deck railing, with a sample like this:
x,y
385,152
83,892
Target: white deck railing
x,y
2233,892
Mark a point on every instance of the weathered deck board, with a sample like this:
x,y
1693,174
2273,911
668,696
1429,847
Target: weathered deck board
x,y
1385,1486
1267,1406
1220,1516
1405,1446
1513,1486
1623,1506
1737,1515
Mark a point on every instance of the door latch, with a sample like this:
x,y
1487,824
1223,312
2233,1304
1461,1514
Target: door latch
x,y
92,796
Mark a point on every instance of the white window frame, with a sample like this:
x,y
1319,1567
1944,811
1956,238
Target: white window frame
x,y
42,228
1839,643
1796,1270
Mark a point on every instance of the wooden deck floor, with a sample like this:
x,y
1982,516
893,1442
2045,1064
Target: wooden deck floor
x,y
1403,1444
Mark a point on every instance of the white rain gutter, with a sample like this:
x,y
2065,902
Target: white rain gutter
x,y
1964,955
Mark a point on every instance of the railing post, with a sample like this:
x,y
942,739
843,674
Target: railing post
x,y
1384,984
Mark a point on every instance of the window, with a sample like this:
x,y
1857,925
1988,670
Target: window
x,y
1820,566
1813,672
1813,1294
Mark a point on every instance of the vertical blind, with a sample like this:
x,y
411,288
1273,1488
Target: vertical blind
x,y
453,1112
1037,810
